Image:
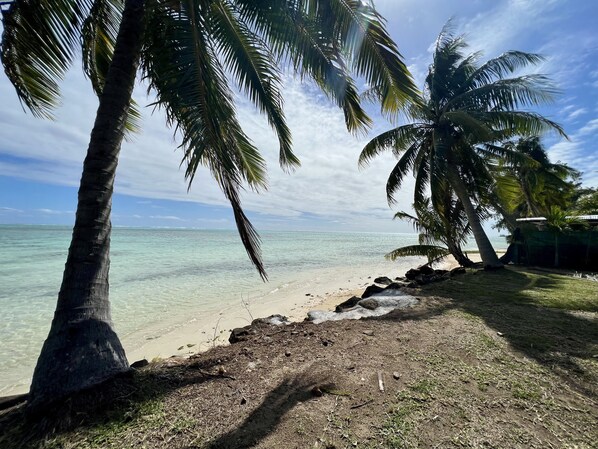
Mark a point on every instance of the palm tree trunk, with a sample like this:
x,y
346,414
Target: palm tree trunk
x,y
487,253
82,348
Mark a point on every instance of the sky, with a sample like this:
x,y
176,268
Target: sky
x,y
41,161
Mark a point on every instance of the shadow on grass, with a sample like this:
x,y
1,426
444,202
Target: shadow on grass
x,y
102,412
112,404
529,308
265,418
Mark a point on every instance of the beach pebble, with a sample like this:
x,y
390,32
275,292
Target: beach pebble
x,y
396,375
180,347
369,333
287,353
384,280
139,364
370,303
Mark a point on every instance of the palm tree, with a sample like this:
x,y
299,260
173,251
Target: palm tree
x,y
463,106
187,51
532,185
449,228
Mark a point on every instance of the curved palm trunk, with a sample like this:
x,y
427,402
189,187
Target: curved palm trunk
x,y
82,348
459,255
487,253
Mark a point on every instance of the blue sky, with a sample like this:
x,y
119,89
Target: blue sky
x,y
40,161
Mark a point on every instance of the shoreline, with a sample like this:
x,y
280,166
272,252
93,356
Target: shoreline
x,y
186,332
324,291
321,289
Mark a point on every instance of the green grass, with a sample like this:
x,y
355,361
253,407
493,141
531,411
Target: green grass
x,y
522,286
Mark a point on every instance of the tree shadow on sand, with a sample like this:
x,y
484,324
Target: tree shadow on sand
x,y
509,301
266,417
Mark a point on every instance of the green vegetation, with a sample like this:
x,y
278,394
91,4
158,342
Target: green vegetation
x,y
450,229
465,111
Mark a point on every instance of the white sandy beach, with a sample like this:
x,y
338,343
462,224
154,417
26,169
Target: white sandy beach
x,y
323,291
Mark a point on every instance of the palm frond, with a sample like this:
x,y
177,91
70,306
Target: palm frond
x,y
501,66
38,45
432,252
398,139
249,60
192,89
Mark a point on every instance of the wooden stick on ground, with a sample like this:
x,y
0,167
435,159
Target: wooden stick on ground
x,y
380,382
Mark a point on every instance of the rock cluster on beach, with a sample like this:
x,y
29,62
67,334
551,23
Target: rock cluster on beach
x,y
378,299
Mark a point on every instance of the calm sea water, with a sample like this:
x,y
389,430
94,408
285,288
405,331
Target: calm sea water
x,y
157,273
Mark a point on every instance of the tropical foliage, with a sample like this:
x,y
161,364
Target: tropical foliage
x,y
465,109
440,234
531,186
193,54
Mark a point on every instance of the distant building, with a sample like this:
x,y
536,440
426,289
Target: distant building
x,y
535,244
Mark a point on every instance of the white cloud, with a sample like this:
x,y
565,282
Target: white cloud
x,y
577,113
55,212
328,184
10,210
167,217
578,152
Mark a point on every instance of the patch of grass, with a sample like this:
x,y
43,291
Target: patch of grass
x,y
521,285
425,387
525,391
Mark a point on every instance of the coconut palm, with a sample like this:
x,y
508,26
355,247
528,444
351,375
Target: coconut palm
x,y
532,185
440,234
464,105
191,54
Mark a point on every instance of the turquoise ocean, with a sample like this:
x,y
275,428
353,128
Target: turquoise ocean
x,y
158,276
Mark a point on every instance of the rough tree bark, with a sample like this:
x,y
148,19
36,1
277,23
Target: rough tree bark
x,y
487,253
82,348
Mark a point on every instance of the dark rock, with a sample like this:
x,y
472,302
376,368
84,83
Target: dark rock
x,y
412,274
275,320
348,304
456,271
421,279
240,334
369,303
426,269
383,280
371,290
139,364
316,391
394,286
400,278
440,272
411,285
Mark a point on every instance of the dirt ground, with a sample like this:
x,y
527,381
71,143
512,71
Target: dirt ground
x,y
456,371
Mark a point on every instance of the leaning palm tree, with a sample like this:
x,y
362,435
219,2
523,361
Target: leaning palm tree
x,y
440,233
189,52
464,105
